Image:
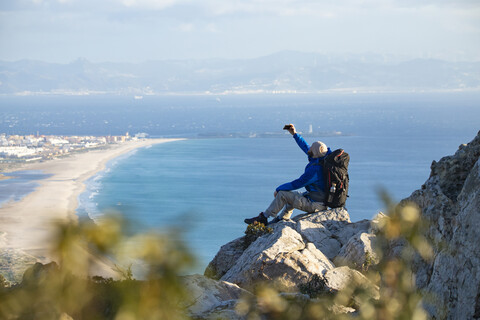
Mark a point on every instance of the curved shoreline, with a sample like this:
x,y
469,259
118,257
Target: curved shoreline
x,y
105,165
28,224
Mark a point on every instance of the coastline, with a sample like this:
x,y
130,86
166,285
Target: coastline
x,y
27,225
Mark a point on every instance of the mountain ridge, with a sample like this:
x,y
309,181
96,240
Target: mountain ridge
x,y
282,72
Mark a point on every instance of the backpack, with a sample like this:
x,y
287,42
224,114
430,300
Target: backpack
x,y
335,172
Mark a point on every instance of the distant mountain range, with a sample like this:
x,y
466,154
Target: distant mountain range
x,y
287,72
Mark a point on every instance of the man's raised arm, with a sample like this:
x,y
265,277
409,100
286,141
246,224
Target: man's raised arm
x,y
299,139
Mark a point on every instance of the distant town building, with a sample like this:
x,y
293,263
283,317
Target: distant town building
x,y
141,135
36,147
19,151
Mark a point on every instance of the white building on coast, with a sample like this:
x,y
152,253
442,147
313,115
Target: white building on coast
x,y
19,151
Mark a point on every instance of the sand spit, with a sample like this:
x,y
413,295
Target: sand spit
x,y
27,225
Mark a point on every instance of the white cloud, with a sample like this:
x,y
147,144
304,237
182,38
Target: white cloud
x,y
51,2
149,4
186,27
320,9
209,8
212,27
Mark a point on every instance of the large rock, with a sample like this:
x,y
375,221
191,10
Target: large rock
x,y
294,252
342,278
292,270
450,202
320,236
211,299
324,229
358,252
329,236
226,257
344,231
248,269
337,214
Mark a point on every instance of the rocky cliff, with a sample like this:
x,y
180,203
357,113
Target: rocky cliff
x,y
328,246
450,202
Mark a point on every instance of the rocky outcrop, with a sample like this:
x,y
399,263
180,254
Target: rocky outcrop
x,y
358,252
282,256
340,278
329,232
225,258
295,252
450,202
320,235
210,299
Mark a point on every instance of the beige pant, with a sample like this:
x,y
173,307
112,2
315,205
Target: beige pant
x,y
289,200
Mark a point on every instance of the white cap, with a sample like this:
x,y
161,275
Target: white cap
x,y
318,149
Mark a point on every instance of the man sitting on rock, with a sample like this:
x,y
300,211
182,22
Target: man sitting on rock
x,y
312,179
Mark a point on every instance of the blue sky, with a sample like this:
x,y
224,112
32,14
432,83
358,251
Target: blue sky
x,y
140,30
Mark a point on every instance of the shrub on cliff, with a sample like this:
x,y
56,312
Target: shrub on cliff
x,y
254,231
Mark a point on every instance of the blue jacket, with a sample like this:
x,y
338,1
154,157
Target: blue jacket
x,y
312,178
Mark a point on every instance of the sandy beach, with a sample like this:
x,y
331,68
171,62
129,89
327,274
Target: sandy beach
x,y
27,225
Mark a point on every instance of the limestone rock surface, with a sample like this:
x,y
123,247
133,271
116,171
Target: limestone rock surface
x,y
295,251
358,252
226,257
320,236
249,268
209,298
340,278
337,214
450,202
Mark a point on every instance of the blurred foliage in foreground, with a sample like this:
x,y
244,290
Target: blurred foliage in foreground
x,y
56,291
63,291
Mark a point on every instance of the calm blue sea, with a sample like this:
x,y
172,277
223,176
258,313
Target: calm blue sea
x,y
209,186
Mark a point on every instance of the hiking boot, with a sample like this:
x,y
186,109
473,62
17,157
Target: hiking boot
x,y
260,218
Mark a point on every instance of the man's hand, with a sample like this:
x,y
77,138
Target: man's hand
x,y
292,129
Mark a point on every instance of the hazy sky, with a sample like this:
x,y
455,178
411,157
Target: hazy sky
x,y
139,30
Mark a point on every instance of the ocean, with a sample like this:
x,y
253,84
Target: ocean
x,y
209,185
